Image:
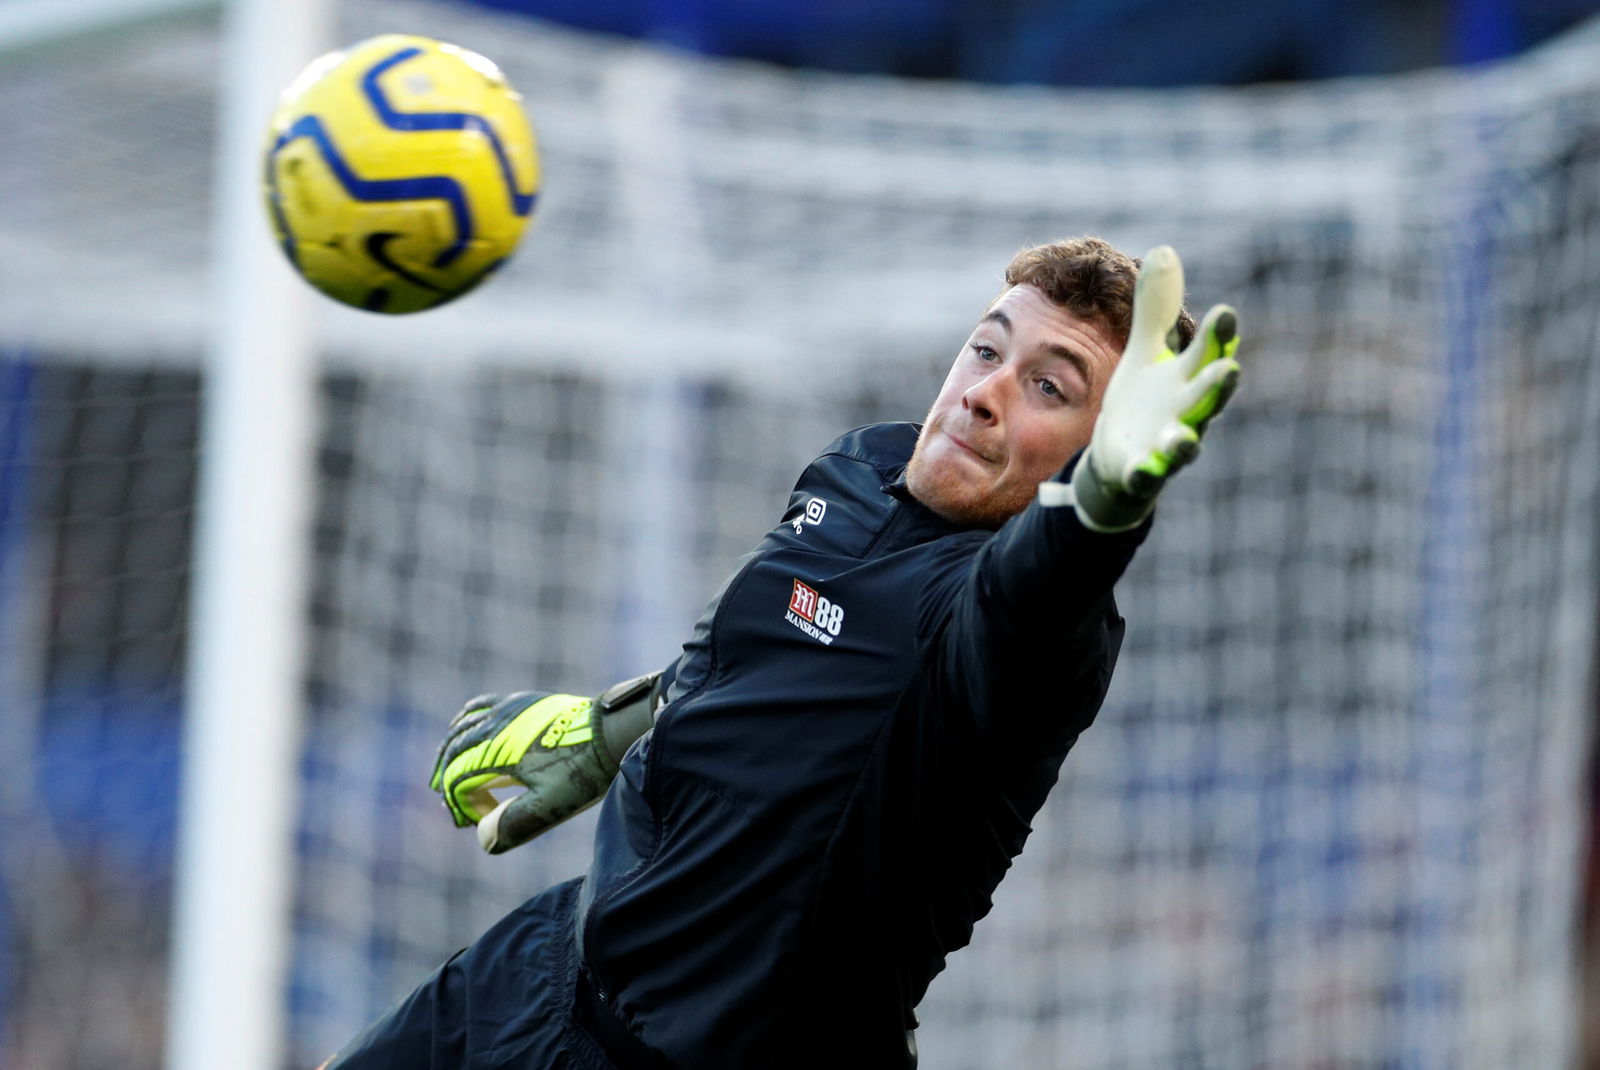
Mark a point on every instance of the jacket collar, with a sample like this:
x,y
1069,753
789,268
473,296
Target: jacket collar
x,y
914,522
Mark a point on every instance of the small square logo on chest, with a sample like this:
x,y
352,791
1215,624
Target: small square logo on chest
x,y
816,509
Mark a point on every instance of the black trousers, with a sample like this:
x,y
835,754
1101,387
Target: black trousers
x,y
511,999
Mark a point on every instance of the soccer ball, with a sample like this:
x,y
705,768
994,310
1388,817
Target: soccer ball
x,y
400,173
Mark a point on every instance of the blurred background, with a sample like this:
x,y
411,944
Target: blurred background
x,y
1338,810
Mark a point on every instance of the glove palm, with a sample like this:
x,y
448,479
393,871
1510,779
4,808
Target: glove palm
x,y
1157,404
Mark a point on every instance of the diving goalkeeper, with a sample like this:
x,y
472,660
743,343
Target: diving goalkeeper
x,y
811,807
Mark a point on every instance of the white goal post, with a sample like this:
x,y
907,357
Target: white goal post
x,y
239,796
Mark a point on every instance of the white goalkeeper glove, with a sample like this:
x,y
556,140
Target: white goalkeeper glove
x,y
1157,404
564,749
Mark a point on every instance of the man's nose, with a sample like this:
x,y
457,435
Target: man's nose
x,y
982,399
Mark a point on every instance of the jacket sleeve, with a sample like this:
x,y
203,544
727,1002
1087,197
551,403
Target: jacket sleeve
x,y
1024,634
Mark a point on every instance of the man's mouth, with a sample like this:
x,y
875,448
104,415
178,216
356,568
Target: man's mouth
x,y
966,446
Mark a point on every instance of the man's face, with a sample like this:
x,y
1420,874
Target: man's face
x,y
1020,400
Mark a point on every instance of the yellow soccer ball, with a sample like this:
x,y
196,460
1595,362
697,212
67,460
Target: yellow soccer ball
x,y
400,173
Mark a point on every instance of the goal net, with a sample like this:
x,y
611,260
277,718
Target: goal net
x,y
1332,813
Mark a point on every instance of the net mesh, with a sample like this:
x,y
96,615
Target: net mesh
x,y
1332,813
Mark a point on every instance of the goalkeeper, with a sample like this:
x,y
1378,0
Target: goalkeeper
x,y
809,809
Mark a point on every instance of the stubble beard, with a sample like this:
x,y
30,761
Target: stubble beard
x,y
944,490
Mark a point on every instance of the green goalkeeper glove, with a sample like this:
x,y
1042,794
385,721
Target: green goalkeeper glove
x,y
1157,404
564,749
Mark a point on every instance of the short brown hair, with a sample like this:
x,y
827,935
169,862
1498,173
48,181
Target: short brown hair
x,y
1091,278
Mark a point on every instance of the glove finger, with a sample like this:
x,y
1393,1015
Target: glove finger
x,y
1157,300
512,824
449,747
480,799
1225,391
529,815
1182,448
463,734
1178,444
1173,444
1145,480
1204,396
470,717
1216,337
477,704
468,798
494,732
489,833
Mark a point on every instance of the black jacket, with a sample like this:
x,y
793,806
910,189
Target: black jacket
x,y
868,715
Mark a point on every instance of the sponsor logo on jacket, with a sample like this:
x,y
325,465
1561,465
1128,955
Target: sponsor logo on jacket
x,y
814,614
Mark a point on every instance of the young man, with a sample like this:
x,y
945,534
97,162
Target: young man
x,y
810,808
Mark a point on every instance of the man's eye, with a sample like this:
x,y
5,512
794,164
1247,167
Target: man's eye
x,y
984,353
1050,389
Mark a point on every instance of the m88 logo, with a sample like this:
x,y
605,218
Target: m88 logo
x,y
814,613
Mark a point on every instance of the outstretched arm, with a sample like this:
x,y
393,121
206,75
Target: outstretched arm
x,y
1032,625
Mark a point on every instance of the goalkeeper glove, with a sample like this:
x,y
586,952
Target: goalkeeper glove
x,y
563,748
1157,404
